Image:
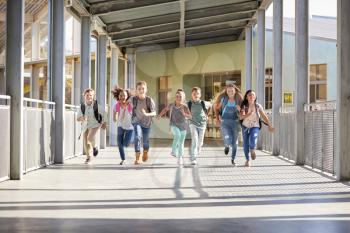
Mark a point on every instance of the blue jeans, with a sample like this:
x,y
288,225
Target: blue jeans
x,y
197,137
250,138
229,131
141,132
124,137
178,141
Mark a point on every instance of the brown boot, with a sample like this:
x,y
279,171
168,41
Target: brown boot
x,y
145,156
137,158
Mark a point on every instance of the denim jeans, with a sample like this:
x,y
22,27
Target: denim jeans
x,y
197,137
141,132
250,138
124,137
229,131
178,141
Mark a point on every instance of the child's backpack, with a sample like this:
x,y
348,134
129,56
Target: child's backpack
x,y
117,107
189,105
98,116
260,120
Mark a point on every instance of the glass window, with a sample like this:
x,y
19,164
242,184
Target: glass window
x,y
164,91
318,83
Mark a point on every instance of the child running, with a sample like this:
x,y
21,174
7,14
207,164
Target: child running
x,y
227,114
179,113
198,123
92,117
143,111
122,115
251,124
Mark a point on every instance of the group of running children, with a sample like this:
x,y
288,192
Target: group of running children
x,y
133,115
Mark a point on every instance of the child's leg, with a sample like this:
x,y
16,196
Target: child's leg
x,y
145,138
245,133
194,142
201,133
253,137
226,134
86,149
120,138
234,135
137,137
181,145
127,137
91,138
176,140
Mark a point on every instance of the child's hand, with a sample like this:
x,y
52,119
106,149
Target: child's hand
x,y
238,108
144,111
104,125
82,118
271,129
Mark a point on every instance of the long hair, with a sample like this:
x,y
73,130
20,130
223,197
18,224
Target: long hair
x,y
223,93
245,99
182,92
116,91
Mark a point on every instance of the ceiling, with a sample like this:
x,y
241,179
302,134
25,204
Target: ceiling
x,y
172,23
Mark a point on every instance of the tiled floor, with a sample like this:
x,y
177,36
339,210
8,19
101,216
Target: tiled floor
x,y
271,196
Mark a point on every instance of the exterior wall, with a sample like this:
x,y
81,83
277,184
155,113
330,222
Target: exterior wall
x,y
181,62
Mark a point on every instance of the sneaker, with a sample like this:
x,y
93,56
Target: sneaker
x,y
172,155
233,162
122,162
194,162
253,154
95,151
88,160
227,149
247,163
180,161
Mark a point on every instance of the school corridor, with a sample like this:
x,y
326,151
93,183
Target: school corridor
x,y
272,196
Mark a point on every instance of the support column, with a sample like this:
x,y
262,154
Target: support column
x,y
277,72
58,79
102,80
35,41
14,82
302,73
85,55
113,129
2,82
35,86
131,68
343,96
260,91
77,83
248,58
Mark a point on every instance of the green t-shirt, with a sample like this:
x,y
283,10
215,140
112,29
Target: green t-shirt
x,y
199,118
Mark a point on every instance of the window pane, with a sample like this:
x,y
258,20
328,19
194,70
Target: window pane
x,y
163,83
312,72
322,72
312,94
321,92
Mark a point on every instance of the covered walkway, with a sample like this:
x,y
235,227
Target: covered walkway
x,y
273,195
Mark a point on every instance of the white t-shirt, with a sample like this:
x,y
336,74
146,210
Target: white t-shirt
x,y
124,116
252,120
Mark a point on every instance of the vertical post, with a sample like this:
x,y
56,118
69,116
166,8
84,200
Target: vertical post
x,y
77,83
35,92
102,80
248,58
113,82
2,82
14,83
131,68
302,73
85,55
343,98
277,72
58,86
35,41
261,62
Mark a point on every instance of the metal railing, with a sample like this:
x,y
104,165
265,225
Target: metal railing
x,y
73,146
5,137
265,137
319,135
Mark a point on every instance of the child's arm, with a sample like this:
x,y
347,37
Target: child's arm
x,y
186,112
165,110
80,116
152,110
115,116
266,119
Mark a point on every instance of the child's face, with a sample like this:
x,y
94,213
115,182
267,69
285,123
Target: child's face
x,y
122,96
180,97
141,90
251,97
196,95
89,96
231,92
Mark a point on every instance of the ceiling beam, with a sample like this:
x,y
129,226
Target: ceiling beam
x,y
150,42
182,32
211,40
107,7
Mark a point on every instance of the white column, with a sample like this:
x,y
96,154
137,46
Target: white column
x,y
102,80
35,41
14,82
302,74
77,83
131,68
248,58
2,82
35,85
277,72
260,91
85,56
113,130
58,79
343,97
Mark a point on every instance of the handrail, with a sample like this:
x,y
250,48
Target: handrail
x,y
73,107
35,103
5,100
287,110
6,97
321,106
39,101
